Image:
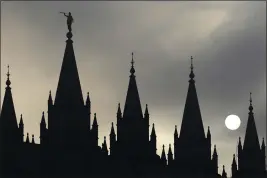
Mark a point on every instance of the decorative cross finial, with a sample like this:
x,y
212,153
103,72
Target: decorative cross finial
x,y
132,59
250,105
191,63
191,75
250,99
132,67
8,74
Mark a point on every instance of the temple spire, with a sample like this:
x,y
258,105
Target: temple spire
x,y
27,138
43,120
132,108
224,175
8,119
69,92
112,131
263,144
192,125
21,121
88,101
146,115
251,141
95,121
33,142
104,146
153,132
163,156
208,133
215,154
175,131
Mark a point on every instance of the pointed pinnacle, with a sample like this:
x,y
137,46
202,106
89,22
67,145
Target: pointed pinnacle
x,y
21,120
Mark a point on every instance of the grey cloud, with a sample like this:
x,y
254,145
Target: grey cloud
x,y
227,40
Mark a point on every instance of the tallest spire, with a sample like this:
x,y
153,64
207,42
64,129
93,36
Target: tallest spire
x,y
69,87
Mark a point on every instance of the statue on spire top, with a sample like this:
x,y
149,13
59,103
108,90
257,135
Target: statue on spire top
x,y
70,20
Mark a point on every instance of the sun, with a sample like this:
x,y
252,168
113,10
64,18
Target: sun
x,y
232,122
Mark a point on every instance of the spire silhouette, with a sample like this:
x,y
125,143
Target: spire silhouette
x,y
95,121
88,101
50,100
153,132
112,131
146,112
69,90
234,166
132,108
104,146
215,154
251,141
208,133
224,175
263,144
192,119
175,131
163,156
27,138
33,142
43,120
21,121
119,114
8,119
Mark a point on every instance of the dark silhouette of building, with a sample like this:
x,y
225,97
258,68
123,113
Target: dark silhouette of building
x,y
251,156
69,141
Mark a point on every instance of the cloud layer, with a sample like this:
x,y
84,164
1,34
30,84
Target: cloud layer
x,y
226,39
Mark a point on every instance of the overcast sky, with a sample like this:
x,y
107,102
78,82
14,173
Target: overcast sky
x,y
226,39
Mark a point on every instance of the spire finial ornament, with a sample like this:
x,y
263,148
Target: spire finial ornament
x,y
132,67
250,105
191,75
70,20
8,74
